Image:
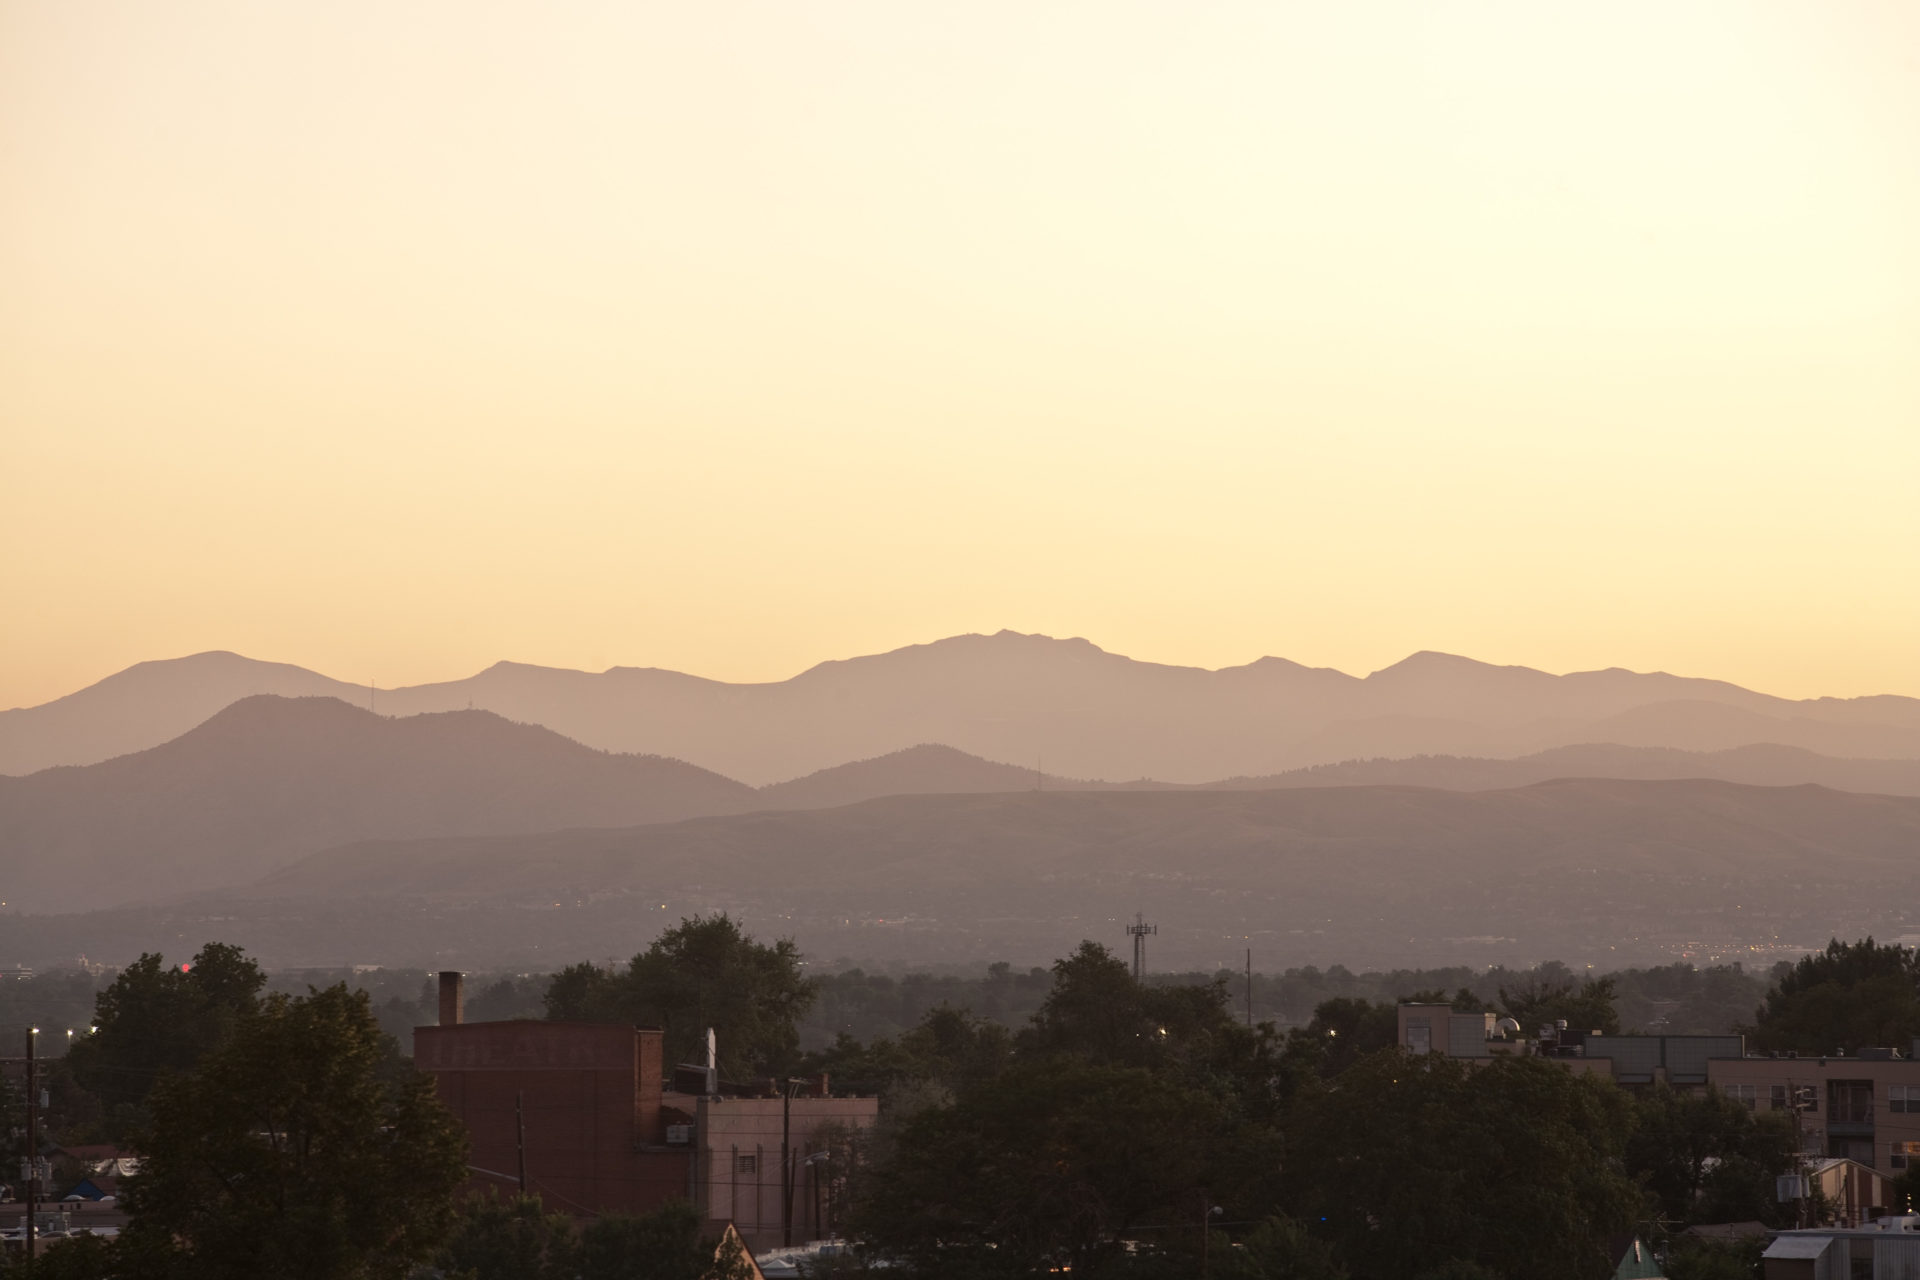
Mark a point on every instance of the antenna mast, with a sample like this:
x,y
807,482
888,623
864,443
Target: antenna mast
x,y
1140,929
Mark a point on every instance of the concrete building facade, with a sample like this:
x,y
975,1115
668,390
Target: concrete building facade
x,y
1864,1108
1859,1108
738,1170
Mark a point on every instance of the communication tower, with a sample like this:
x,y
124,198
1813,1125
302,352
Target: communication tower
x,y
1140,929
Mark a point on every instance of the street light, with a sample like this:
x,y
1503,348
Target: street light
x,y
1208,1212
813,1163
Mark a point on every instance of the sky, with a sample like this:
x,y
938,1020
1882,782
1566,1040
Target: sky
x,y
396,340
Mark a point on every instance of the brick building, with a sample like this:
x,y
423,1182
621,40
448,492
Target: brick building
x,y
586,1114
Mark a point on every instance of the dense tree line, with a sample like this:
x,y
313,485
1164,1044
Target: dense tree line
x,y
1666,999
1135,1130
1843,999
517,1239
1674,999
1124,1129
1140,1130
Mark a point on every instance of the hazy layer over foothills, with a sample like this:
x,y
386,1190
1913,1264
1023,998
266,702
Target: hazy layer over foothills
x,y
981,797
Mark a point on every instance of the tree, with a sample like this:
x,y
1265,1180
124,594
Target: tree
x,y
515,1238
1048,1165
1280,1248
155,1018
1715,1259
289,1151
950,1047
665,1244
702,973
1097,1011
1851,995
1459,1269
1706,1158
86,1257
1343,1031
1414,1161
1587,1006
1904,1191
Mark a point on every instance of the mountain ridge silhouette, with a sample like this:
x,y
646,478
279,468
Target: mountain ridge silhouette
x,y
269,780
1084,712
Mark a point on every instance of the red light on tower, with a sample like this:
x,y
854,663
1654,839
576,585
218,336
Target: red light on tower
x,y
186,968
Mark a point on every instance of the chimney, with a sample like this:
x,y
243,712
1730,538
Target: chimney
x,y
453,1002
820,1086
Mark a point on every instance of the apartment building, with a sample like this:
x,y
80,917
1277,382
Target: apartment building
x,y
1864,1108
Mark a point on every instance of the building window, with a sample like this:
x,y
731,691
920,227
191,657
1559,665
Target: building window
x,y
1849,1102
1777,1097
746,1164
1419,1035
1744,1094
1903,1098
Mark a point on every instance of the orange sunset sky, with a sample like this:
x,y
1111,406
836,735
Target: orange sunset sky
x,y
396,339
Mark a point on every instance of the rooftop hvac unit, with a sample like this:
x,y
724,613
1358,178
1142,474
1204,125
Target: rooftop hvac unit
x,y
679,1135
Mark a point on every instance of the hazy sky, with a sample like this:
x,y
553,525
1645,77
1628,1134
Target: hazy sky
x,y
394,339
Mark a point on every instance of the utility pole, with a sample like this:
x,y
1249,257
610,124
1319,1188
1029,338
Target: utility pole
x,y
1140,929
33,1162
1249,988
786,1163
520,1136
1206,1233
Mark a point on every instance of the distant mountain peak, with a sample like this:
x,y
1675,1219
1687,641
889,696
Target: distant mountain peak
x,y
1432,660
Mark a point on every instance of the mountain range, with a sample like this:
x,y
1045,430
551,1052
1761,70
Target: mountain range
x,y
1067,705
269,780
